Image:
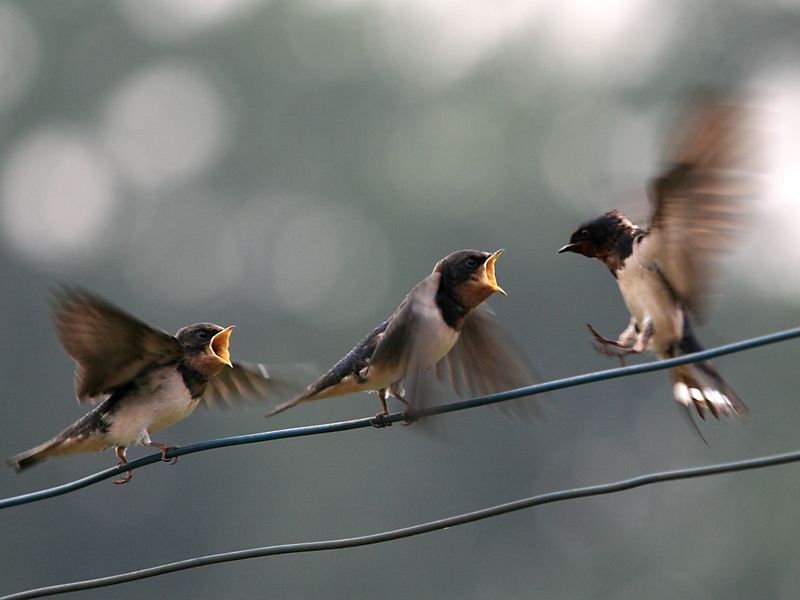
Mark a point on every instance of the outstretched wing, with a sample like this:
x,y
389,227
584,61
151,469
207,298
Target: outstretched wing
x,y
245,382
109,346
486,360
416,336
706,200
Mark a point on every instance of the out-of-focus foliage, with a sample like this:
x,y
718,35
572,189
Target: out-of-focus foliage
x,y
294,168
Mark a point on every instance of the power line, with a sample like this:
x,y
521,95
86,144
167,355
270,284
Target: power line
x,y
414,530
540,388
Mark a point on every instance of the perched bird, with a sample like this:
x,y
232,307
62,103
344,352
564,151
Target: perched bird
x,y
440,324
667,273
147,378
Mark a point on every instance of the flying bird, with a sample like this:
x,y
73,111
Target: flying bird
x,y
440,326
146,378
668,272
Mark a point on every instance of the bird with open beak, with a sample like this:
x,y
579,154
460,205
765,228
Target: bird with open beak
x,y
440,324
147,379
702,205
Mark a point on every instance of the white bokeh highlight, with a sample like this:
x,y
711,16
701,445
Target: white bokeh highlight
x,y
323,262
56,197
165,124
175,20
617,40
769,264
433,44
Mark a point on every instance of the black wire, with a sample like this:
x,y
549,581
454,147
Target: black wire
x,y
267,436
406,532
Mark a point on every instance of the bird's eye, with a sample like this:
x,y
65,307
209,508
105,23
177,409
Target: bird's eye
x,y
584,233
471,262
202,334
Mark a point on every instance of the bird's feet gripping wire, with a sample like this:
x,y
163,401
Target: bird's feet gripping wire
x,y
123,461
385,412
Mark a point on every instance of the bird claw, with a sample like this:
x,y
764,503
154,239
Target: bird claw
x,y
125,478
164,450
618,354
120,450
607,347
376,422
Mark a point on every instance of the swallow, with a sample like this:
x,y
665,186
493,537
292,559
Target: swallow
x,y
146,378
440,326
666,272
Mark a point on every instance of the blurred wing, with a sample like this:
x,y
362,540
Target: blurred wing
x,y
705,202
486,361
414,332
245,382
109,346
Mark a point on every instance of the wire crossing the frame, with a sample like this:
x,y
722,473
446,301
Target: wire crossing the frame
x,y
422,528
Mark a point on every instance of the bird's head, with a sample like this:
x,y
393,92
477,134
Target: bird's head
x,y
207,344
469,276
597,237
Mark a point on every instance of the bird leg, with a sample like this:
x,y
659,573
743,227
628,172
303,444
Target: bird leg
x,y
644,339
607,347
164,449
409,408
625,341
397,393
123,461
385,412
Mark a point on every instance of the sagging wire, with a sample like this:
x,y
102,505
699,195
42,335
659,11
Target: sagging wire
x,y
406,532
540,388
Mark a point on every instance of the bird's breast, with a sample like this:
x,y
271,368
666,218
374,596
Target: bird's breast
x,y
648,297
441,340
160,400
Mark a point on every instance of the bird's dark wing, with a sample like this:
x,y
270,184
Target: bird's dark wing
x,y
486,360
245,382
705,201
109,346
396,346
343,378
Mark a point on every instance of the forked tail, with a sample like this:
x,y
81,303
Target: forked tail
x,y
700,385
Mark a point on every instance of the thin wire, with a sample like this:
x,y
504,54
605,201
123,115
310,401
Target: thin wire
x,y
540,388
405,532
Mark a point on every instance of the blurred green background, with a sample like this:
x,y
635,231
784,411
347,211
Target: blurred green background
x,y
294,169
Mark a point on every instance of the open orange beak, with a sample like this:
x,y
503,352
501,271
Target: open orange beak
x,y
219,346
491,281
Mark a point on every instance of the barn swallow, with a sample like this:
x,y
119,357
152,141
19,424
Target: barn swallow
x,y
147,378
665,273
440,324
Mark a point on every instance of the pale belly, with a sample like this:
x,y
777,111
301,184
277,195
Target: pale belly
x,y
649,300
151,410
